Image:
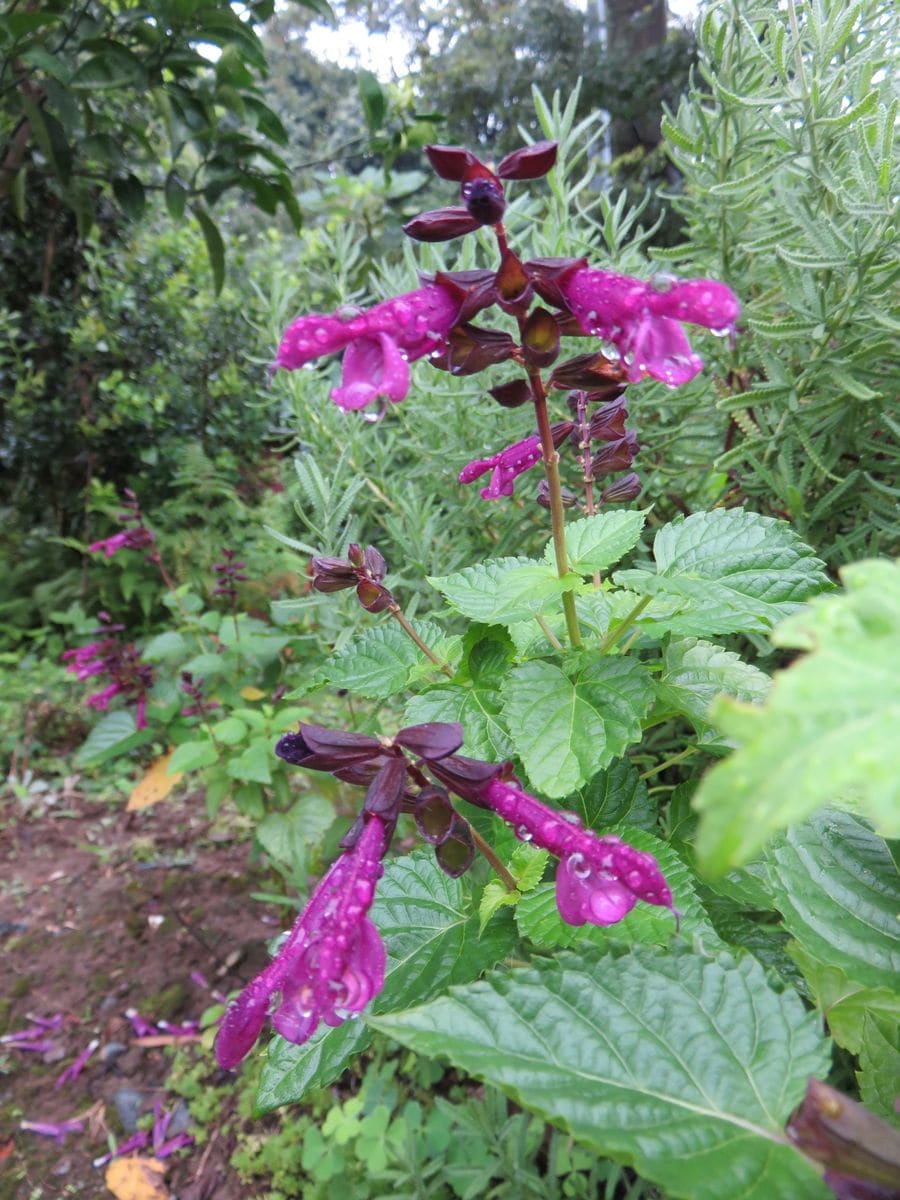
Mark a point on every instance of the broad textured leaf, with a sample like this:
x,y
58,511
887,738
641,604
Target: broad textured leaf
x,y
595,543
733,571
165,645
504,590
566,727
839,894
617,796
828,733
477,708
844,1004
538,917
684,1067
380,661
696,671
193,755
431,937
879,1073
114,734
288,837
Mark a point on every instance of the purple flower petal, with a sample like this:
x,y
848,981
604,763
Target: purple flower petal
x,y
599,879
417,322
642,321
58,1130
74,1070
506,466
372,367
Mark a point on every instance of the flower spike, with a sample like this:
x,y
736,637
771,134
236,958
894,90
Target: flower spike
x,y
331,965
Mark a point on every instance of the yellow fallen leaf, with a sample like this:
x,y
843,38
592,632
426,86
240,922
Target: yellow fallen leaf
x,y
155,785
252,693
136,1178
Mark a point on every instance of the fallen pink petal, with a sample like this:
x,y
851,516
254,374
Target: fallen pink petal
x,y
73,1071
58,1130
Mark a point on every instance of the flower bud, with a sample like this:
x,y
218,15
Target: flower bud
x,y
471,349
626,488
591,373
569,499
529,162
511,281
615,456
549,275
512,394
373,596
450,162
441,225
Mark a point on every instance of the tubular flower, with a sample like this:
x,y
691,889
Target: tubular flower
x,y
643,321
380,343
131,677
599,879
332,963
505,467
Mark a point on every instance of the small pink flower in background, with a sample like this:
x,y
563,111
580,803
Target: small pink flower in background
x,y
644,322
332,963
379,344
131,677
505,467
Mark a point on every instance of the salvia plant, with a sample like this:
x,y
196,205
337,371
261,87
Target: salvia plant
x,y
625,1000
550,718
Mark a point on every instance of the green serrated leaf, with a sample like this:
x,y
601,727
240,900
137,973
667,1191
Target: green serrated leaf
x,y
838,892
477,708
733,571
192,756
696,671
844,1004
254,765
568,726
879,1068
827,734
503,591
606,1048
617,796
165,646
431,937
595,543
114,734
379,661
495,896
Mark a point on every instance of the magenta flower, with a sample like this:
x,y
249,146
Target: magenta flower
x,y
643,322
505,467
599,879
128,539
379,344
332,963
131,677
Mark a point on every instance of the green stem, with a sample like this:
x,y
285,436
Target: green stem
x,y
670,762
489,853
396,612
614,634
557,513
548,632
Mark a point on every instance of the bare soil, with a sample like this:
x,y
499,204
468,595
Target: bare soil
x,y
102,910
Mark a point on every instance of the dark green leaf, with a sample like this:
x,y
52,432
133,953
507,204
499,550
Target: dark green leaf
x,y
215,247
610,1049
374,100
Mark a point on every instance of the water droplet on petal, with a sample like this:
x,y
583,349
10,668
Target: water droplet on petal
x,y
611,351
523,833
662,281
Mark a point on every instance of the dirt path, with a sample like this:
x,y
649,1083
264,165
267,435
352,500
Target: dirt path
x,y
101,911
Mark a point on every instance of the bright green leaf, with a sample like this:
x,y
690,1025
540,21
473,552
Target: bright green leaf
x,y
567,725
595,543
503,591
608,1048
